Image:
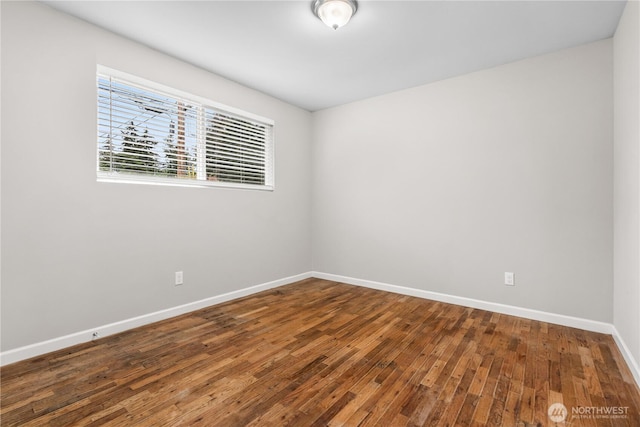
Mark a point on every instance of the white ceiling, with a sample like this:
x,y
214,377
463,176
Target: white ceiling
x,y
282,49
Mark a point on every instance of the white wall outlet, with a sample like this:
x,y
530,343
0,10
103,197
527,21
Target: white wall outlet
x,y
179,278
95,336
509,279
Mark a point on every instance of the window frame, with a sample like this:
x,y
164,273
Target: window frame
x,y
202,104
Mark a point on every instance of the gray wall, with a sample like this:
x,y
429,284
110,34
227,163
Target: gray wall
x,y
626,294
446,186
441,187
78,254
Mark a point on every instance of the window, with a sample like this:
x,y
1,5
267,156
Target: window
x,y
152,134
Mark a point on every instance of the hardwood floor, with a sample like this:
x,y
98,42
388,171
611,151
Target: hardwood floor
x,y
319,353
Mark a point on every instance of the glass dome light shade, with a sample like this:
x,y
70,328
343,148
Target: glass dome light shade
x,y
335,13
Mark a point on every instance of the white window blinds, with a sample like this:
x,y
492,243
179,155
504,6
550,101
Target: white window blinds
x,y
148,134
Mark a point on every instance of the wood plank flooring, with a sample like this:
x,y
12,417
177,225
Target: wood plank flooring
x,y
319,353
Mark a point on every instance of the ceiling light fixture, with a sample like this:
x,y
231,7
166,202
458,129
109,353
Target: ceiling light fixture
x,y
334,13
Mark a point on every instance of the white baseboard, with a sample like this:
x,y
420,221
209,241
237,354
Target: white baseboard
x,y
37,349
628,356
543,316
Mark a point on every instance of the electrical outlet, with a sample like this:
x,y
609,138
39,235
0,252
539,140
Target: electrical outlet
x,y
95,336
509,279
179,278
